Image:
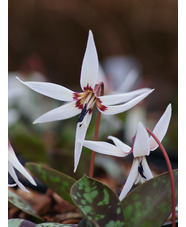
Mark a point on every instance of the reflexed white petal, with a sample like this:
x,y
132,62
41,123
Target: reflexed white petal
x,y
104,148
120,98
120,144
130,180
141,145
161,127
51,90
80,136
16,164
14,176
124,107
146,169
63,112
90,65
12,185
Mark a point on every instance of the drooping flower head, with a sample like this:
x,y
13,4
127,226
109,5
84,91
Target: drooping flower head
x,y
13,162
142,145
83,102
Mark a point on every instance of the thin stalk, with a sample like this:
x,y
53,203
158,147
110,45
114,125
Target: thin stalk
x,y
171,176
91,170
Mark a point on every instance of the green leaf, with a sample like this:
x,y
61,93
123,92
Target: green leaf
x,y
150,204
57,181
18,222
52,224
15,222
87,223
23,205
97,202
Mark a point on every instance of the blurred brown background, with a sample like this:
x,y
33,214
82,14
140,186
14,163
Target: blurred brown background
x,y
51,36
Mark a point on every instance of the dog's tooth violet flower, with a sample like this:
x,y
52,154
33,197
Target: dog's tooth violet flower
x,y
142,146
13,162
82,103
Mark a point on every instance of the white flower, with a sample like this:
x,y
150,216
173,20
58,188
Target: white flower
x,y
142,146
83,102
13,162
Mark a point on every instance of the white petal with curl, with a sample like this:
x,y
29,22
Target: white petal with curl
x,y
14,177
90,65
51,90
12,185
141,145
16,164
124,107
104,148
161,127
130,180
120,98
81,130
125,148
63,112
146,169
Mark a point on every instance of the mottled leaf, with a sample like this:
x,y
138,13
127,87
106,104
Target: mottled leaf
x,y
57,181
150,204
52,224
18,222
87,223
15,222
97,202
23,205
25,223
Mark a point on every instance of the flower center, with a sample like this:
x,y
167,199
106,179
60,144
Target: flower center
x,y
86,101
88,106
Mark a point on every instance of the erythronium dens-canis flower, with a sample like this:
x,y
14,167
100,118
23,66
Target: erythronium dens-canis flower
x,y
83,102
142,146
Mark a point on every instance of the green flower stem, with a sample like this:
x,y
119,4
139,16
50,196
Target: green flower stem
x,y
170,173
91,170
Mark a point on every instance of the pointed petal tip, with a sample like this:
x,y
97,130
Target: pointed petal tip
x,y
40,121
151,90
161,127
32,181
35,122
169,110
169,107
141,125
90,32
19,79
75,168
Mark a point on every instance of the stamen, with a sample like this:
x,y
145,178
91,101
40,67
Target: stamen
x,y
91,102
88,98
